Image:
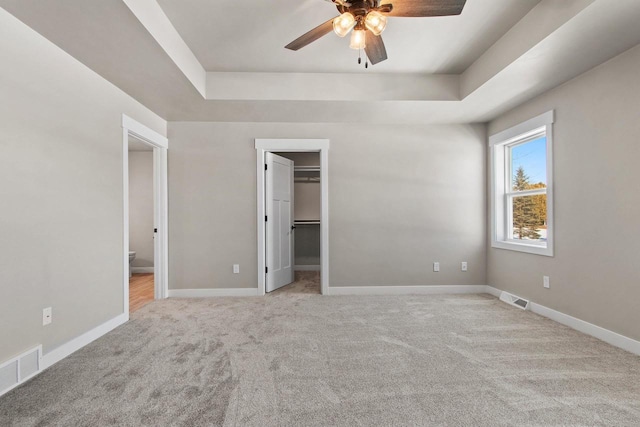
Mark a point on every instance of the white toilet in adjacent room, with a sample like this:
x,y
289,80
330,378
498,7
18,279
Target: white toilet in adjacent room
x,y
132,256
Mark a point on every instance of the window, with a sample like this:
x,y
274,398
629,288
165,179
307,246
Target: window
x,y
521,187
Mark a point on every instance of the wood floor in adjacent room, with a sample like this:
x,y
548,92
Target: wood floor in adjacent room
x,y
140,290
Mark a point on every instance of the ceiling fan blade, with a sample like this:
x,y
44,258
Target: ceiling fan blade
x,y
375,49
311,36
417,8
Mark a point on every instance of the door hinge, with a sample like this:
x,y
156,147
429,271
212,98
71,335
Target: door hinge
x,y
266,270
266,218
155,230
265,167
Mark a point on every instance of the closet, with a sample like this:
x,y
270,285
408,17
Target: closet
x,y
306,210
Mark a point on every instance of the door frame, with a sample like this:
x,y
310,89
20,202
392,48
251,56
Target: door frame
x,y
160,144
294,146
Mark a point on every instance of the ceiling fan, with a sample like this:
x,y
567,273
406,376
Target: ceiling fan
x,y
368,19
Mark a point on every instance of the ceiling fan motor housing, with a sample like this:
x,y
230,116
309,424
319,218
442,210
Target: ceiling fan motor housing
x,y
368,19
358,8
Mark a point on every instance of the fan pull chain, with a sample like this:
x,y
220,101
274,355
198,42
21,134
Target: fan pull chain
x,y
366,59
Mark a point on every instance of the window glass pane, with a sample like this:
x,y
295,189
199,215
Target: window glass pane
x,y
529,215
529,165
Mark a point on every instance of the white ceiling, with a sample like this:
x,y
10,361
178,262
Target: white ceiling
x,y
494,63
232,35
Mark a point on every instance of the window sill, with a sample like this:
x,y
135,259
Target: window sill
x,y
523,247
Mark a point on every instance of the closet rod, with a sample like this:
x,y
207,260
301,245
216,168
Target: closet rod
x,y
306,168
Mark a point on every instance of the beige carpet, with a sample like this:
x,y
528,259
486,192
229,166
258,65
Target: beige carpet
x,y
295,358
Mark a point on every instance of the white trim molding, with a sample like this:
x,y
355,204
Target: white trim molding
x,y
294,146
610,337
499,184
407,290
140,131
508,135
493,291
211,292
160,144
12,369
77,343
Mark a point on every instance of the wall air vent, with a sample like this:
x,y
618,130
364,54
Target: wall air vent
x,y
15,371
514,300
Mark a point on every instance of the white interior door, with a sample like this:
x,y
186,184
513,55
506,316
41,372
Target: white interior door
x,y
279,200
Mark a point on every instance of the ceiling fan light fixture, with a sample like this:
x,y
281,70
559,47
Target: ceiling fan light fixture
x,y
358,38
367,19
343,24
375,22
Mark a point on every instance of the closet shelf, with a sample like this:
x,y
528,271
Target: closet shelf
x,y
306,173
306,222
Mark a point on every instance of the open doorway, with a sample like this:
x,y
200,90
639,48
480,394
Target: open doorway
x,y
145,249
293,215
141,224
305,231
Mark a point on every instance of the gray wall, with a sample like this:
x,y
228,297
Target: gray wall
x,y
61,191
400,197
141,207
594,273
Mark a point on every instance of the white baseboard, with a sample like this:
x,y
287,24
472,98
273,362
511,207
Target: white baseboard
x,y
603,334
610,337
493,291
206,293
306,268
142,270
13,373
59,353
406,290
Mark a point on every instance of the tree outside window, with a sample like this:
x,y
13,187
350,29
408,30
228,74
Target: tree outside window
x,y
521,187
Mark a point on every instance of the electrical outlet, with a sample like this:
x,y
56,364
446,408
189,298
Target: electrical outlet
x,y
436,266
236,268
464,266
46,316
545,282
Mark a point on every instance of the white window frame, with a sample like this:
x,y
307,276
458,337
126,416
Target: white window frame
x,y
500,185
